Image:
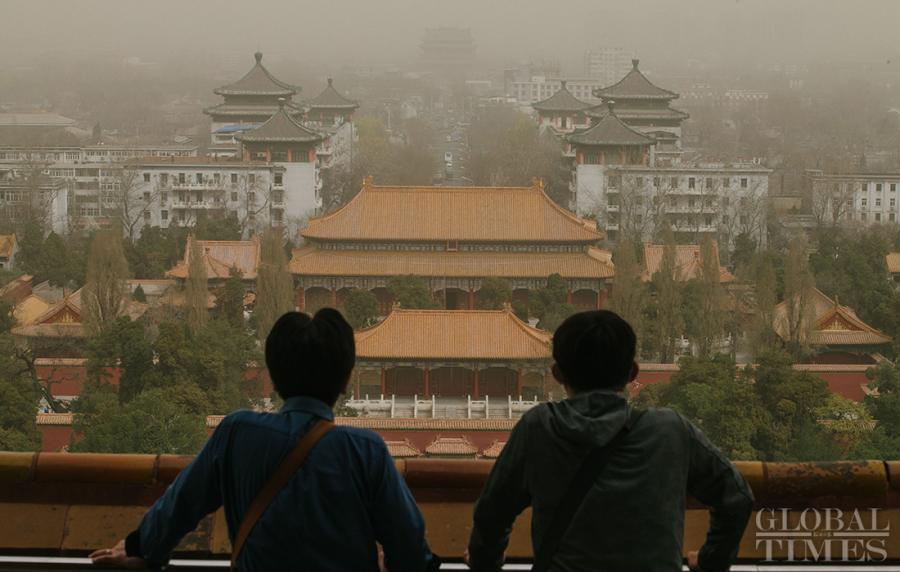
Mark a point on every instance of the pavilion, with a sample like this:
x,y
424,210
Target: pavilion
x,y
454,238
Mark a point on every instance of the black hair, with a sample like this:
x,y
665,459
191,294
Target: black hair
x,y
594,350
311,356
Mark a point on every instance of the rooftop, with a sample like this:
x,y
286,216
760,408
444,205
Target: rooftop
x,y
561,101
330,98
219,256
833,324
34,120
258,81
610,130
634,85
280,128
892,261
7,245
312,261
452,334
688,261
476,214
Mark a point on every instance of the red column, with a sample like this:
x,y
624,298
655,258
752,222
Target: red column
x,y
382,380
471,299
601,298
518,382
427,380
301,298
268,154
476,390
290,154
334,298
356,387
568,296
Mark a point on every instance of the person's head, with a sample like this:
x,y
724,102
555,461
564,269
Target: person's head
x,y
594,350
311,356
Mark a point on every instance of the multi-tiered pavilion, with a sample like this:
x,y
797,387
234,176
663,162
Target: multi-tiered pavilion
x,y
454,238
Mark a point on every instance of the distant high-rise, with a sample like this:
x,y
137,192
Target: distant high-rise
x,y
448,49
607,64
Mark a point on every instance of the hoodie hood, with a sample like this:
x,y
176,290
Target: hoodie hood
x,y
590,418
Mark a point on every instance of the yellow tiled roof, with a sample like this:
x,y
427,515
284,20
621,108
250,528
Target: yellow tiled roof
x,y
451,446
313,261
7,245
452,334
892,259
687,261
30,309
494,450
833,325
220,256
409,424
402,449
477,214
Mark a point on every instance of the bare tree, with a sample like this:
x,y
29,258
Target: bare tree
x,y
29,195
799,286
129,199
744,213
103,295
832,201
255,198
196,292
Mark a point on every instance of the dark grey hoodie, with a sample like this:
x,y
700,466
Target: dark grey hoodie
x,y
633,518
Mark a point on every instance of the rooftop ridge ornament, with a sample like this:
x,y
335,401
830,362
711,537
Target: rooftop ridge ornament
x,y
258,56
281,102
634,63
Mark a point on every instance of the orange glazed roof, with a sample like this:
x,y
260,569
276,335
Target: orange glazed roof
x,y
402,449
494,450
834,324
7,245
451,447
220,256
312,261
410,424
687,261
893,262
472,214
452,334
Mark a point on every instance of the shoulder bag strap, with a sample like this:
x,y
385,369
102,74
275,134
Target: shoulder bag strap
x,y
575,494
276,483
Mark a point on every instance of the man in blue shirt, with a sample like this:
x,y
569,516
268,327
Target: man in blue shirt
x,y
344,499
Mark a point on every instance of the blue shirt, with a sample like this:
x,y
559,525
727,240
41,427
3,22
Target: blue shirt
x,y
346,497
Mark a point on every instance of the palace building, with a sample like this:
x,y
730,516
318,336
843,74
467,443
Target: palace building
x,y
562,111
473,353
454,238
834,332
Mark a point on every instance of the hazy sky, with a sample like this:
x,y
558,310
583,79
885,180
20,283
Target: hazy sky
x,y
336,32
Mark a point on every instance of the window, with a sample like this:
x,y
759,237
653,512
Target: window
x,y
744,182
278,178
725,219
199,177
452,245
639,181
892,217
146,177
745,202
708,202
163,197
709,182
708,220
277,197
216,178
726,201
251,197
893,187
146,215
878,202
726,182
862,216
673,201
164,178
198,196
893,203
276,215
251,178
877,217
146,196
656,182
234,178
613,181
180,215
691,202
164,215
691,182
181,178
673,182
878,187
863,201
233,197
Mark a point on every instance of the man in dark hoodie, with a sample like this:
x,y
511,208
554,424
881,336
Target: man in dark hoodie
x,y
632,517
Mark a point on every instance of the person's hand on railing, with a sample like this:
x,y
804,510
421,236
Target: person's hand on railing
x,y
116,556
693,561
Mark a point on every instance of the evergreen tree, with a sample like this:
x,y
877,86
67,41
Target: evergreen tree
x,y
138,295
710,318
230,302
629,295
762,336
549,305
412,293
669,320
360,307
103,295
274,293
799,285
494,293
196,294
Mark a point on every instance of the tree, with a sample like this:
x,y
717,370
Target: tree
x,y
157,250
103,295
230,301
669,320
494,293
412,293
548,304
152,423
19,397
129,199
196,294
123,345
709,317
629,293
799,286
274,295
762,334
360,308
138,295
